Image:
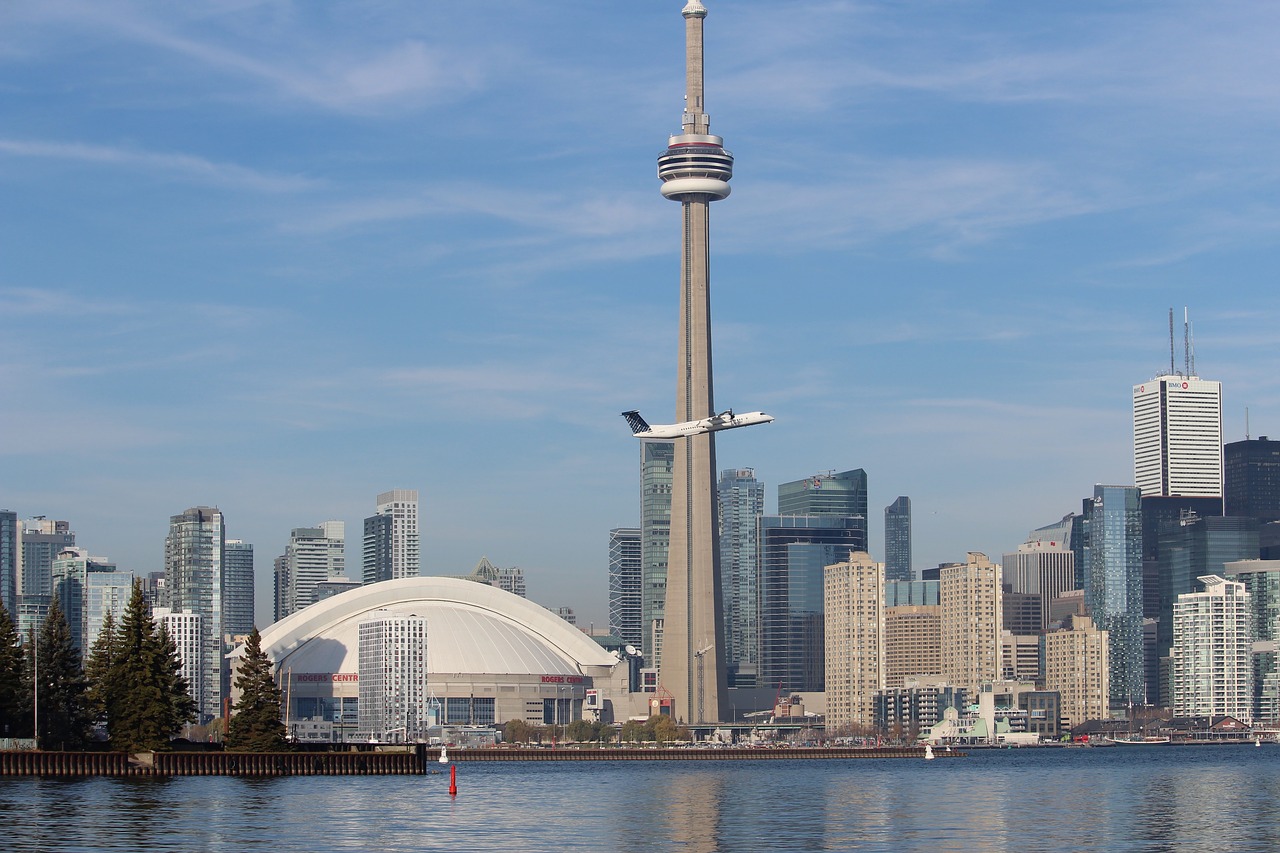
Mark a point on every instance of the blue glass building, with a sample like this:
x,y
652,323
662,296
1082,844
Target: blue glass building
x,y
1113,585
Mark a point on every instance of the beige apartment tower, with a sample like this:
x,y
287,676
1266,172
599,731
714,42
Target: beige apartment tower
x,y
853,601
695,171
970,596
1076,664
912,642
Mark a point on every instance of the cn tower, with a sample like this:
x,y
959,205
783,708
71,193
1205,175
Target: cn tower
x,y
695,171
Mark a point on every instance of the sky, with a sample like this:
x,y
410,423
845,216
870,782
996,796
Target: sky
x,y
278,257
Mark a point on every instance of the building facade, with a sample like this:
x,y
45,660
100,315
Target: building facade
x,y
741,502
897,540
794,552
625,586
1251,479
70,572
9,562
853,601
657,459
972,621
912,642
314,555
1211,661
394,693
1043,568
1261,579
1077,666
238,604
186,629
1113,587
391,540
195,575
843,494
1177,437
43,539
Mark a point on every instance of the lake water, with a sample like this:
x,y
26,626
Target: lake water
x,y
1179,799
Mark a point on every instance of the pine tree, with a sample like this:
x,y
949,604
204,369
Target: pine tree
x,y
255,722
97,669
143,712
64,717
15,700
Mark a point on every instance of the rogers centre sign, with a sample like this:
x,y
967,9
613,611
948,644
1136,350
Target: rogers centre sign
x,y
326,676
562,679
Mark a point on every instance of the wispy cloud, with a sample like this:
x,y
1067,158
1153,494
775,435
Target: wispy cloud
x,y
183,166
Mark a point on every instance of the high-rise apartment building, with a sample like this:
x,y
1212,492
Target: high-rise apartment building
x,y
70,572
186,629
314,555
853,597
897,540
972,621
506,578
625,613
9,551
1077,665
794,552
104,592
237,606
43,539
912,642
1251,479
1212,669
1177,437
741,502
1113,586
195,575
393,677
657,459
1261,579
391,540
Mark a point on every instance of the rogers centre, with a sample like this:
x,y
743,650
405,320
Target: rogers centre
x,y
491,656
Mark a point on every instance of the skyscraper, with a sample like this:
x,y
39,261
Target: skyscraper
x,y
970,594
1113,586
1177,437
1251,470
625,620
9,562
1212,638
237,607
391,543
187,631
1077,665
695,171
195,573
1044,568
1261,579
741,500
853,597
393,677
43,539
794,552
656,461
71,571
313,556
827,494
897,540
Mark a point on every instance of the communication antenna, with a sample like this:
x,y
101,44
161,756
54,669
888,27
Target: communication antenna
x,y
1171,341
1186,342
1193,349
1246,423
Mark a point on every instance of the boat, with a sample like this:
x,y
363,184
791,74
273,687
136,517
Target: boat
x,y
1149,740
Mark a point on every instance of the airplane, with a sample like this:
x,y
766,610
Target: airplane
x,y
725,420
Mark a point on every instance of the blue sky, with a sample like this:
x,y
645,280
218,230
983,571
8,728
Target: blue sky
x,y
279,257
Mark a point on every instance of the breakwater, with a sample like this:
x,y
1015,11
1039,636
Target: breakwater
x,y
407,762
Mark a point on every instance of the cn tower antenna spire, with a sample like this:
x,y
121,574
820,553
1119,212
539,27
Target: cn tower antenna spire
x,y
695,118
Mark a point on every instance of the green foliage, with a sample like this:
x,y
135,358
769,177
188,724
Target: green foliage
x,y
145,696
519,731
60,685
15,698
255,724
585,731
97,669
660,727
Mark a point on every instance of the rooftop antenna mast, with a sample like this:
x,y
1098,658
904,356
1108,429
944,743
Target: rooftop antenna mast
x,y
1193,349
1246,423
1171,341
1186,342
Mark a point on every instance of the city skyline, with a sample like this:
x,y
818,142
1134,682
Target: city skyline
x,y
341,251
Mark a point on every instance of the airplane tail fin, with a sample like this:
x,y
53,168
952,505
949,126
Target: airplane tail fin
x,y
637,423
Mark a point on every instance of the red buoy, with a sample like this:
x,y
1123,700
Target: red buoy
x,y
453,780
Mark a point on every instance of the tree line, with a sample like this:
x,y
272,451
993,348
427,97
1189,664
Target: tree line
x,y
129,684
660,728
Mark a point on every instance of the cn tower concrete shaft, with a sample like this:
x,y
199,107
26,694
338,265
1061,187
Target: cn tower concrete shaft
x,y
695,170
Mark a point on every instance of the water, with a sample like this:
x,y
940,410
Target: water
x,y
1182,799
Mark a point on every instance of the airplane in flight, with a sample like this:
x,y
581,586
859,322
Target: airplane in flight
x,y
725,420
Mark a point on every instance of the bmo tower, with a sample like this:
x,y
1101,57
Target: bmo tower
x,y
695,171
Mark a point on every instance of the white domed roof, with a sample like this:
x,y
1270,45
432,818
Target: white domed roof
x,y
471,628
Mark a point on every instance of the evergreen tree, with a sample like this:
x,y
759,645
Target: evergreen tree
x,y
15,701
60,685
255,720
97,669
143,712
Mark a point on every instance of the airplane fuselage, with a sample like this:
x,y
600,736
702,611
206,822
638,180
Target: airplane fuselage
x,y
715,423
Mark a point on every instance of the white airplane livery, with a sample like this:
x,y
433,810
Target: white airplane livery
x,y
725,420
